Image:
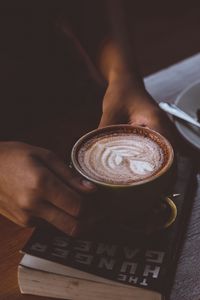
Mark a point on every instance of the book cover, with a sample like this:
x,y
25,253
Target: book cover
x,y
125,256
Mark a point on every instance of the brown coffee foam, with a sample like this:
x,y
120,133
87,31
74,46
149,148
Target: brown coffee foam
x,y
97,170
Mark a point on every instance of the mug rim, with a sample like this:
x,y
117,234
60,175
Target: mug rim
x,y
163,170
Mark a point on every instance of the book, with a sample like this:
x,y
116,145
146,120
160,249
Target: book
x,y
120,263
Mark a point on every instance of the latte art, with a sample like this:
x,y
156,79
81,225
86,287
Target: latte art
x,y
121,158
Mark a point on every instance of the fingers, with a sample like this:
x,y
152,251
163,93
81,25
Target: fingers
x,y
61,195
58,218
37,184
61,191
64,173
114,115
105,121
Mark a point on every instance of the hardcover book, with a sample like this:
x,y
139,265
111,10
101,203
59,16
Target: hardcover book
x,y
133,261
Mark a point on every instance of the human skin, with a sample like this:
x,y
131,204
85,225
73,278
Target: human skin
x,y
36,185
126,100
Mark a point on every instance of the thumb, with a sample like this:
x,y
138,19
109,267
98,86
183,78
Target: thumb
x,y
112,118
106,120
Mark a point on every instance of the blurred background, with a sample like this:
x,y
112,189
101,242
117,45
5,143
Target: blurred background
x,y
42,78
164,32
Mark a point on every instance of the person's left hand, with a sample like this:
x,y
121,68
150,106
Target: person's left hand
x,y
125,104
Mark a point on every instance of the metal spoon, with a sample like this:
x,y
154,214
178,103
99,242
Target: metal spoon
x,y
177,112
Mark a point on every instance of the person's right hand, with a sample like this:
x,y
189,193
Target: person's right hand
x,y
34,184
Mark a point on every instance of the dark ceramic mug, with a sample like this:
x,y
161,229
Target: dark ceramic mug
x,y
136,198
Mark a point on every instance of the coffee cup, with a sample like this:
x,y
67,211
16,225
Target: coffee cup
x,y
132,167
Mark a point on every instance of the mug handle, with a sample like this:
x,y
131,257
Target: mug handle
x,y
173,213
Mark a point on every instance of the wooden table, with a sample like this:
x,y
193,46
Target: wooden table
x,y
12,239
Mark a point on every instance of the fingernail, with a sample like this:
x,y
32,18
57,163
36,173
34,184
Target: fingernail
x,y
88,184
75,231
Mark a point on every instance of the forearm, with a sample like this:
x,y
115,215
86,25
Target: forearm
x,y
115,64
117,59
125,85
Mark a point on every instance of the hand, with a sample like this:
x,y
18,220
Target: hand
x,y
126,103
34,184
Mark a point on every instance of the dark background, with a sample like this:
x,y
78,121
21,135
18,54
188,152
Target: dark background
x,y
42,77
37,75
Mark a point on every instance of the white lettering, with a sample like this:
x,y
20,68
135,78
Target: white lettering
x,y
85,259
83,246
61,253
110,250
144,282
61,242
122,277
106,263
153,271
155,256
130,253
128,267
133,279
39,247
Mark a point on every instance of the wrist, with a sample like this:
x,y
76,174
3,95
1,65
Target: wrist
x,y
131,95
128,88
124,77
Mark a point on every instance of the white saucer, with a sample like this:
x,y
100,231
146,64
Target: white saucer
x,y
189,101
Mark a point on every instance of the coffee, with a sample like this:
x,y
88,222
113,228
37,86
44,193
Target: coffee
x,y
122,155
